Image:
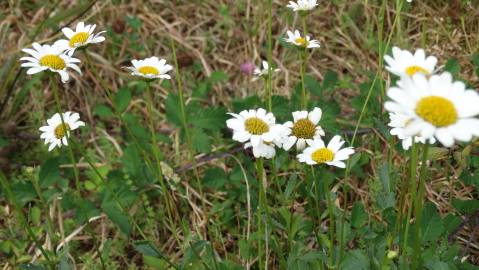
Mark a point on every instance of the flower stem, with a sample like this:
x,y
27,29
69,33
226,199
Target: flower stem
x,y
418,205
269,86
412,189
184,121
263,213
70,151
156,154
332,223
304,59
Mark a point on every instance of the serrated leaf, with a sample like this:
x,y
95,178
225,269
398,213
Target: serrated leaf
x,y
103,110
201,142
49,172
355,260
210,118
432,226
173,112
330,80
117,217
358,215
218,76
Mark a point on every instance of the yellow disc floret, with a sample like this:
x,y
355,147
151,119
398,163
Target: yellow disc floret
x,y
322,155
437,110
61,130
301,42
256,126
304,129
415,69
52,61
148,70
79,39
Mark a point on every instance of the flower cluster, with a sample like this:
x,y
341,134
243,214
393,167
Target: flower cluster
x,y
426,106
59,58
258,130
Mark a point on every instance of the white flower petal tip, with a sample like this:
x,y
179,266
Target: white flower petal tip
x,y
263,71
55,133
332,154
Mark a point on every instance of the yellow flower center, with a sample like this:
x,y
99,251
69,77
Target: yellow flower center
x,y
415,69
145,70
79,39
436,110
301,42
322,155
61,130
256,126
52,61
304,129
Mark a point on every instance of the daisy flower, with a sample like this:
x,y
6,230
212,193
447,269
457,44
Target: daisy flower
x,y
262,150
403,62
57,134
150,68
436,107
81,37
303,130
332,154
256,128
52,58
299,41
302,5
259,73
398,123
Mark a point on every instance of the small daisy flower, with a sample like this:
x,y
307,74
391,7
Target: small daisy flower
x,y
150,68
398,123
81,37
303,130
257,127
262,150
52,58
302,5
331,155
260,73
404,63
57,134
299,41
436,107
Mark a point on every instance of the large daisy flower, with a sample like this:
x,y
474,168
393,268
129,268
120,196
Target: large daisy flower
x,y
81,37
302,5
436,107
52,58
404,63
259,73
398,122
304,129
57,134
256,128
299,41
331,155
150,68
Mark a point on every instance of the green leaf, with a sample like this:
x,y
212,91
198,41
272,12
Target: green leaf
x,y
432,226
330,80
212,118
467,206
475,60
173,112
117,217
358,215
122,99
201,142
103,111
49,173
355,260
214,178
218,76
452,65
146,248
312,85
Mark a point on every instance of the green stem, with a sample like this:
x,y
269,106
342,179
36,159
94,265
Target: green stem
x,y
156,154
304,59
70,151
270,58
412,189
418,205
23,219
184,121
261,209
332,223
